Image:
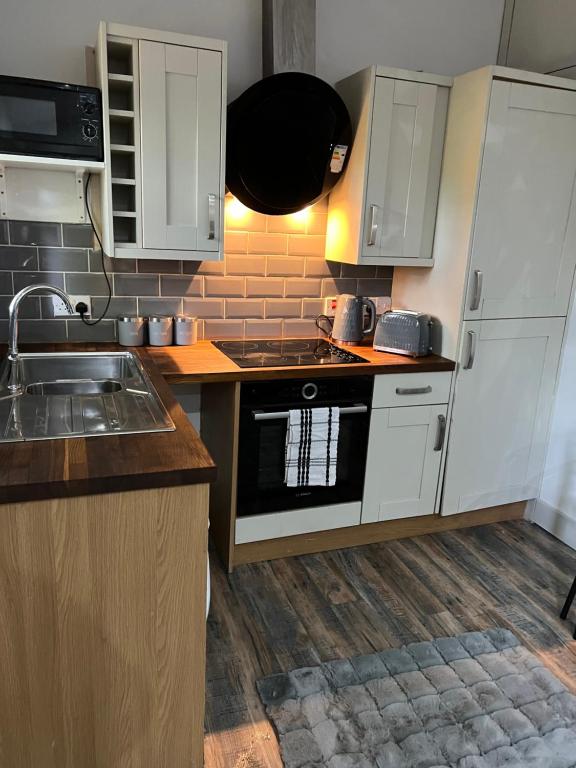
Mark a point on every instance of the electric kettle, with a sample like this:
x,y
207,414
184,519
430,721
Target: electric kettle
x,y
348,325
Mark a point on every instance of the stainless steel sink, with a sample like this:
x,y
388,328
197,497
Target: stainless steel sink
x,y
80,394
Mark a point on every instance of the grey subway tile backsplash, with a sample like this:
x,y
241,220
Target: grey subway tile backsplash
x,y
300,329
6,284
118,306
227,287
246,265
40,330
136,285
283,308
262,287
18,257
181,285
103,331
88,283
285,266
158,266
223,329
29,307
315,267
204,308
77,235
378,287
244,308
263,329
335,287
312,307
297,286
269,284
168,307
35,233
62,260
111,265
24,279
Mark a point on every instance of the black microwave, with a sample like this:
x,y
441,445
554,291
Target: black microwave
x,y
46,119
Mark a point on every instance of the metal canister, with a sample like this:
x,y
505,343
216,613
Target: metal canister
x,y
185,330
131,330
160,330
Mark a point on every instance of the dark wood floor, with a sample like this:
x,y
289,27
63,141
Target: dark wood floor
x,y
284,614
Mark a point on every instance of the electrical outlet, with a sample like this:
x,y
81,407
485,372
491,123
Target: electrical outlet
x,y
329,308
60,309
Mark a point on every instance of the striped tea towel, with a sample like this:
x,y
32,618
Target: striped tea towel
x,y
312,446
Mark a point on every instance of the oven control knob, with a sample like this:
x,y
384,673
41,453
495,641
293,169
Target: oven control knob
x,y
89,131
309,391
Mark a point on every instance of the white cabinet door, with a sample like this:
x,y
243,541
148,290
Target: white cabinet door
x,y
403,464
406,145
524,245
500,419
180,102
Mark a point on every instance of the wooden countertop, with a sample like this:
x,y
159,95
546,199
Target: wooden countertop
x,y
202,362
45,469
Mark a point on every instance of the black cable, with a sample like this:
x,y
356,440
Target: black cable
x,y
102,254
322,318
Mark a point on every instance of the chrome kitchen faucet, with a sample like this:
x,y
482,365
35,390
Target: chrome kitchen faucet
x,y
9,378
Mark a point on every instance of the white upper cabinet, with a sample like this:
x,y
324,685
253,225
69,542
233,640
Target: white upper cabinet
x,y
501,412
383,210
164,100
180,105
524,243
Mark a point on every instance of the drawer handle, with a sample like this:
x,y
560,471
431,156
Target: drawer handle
x,y
440,433
477,295
413,390
372,226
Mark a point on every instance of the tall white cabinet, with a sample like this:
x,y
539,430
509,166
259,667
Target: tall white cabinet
x,y
504,253
164,101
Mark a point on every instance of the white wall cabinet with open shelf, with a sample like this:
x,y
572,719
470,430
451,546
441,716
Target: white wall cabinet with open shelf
x,y
164,102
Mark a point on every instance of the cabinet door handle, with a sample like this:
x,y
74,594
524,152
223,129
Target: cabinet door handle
x,y
440,432
211,217
471,350
372,226
413,390
477,293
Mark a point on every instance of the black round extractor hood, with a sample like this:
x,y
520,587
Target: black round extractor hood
x,y
288,141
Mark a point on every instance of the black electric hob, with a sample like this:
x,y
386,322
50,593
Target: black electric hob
x,y
272,353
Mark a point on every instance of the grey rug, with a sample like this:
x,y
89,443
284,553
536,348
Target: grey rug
x,y
479,700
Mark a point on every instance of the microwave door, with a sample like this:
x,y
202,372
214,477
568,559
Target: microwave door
x,y
36,120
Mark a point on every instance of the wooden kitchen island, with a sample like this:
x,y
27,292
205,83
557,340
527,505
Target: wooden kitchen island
x,y
103,554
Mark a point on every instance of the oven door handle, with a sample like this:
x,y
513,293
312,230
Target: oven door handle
x,y
268,416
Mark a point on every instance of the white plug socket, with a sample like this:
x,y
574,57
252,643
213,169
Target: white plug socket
x,y
60,310
329,307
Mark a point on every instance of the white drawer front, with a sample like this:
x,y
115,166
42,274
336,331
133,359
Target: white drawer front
x,y
395,390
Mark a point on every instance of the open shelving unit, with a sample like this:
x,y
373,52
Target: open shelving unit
x,y
120,92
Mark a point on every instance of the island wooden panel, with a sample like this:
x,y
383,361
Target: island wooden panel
x,y
202,362
43,469
102,638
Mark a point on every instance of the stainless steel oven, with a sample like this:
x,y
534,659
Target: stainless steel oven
x,y
47,119
263,423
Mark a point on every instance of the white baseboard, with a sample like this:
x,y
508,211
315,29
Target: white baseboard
x,y
276,525
554,521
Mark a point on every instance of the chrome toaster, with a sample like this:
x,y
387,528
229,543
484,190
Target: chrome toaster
x,y
403,332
